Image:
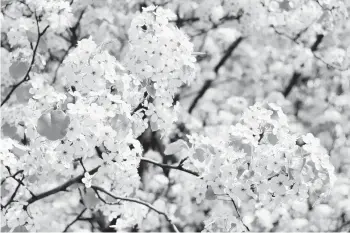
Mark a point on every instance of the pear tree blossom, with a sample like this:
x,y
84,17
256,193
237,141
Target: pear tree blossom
x,y
174,115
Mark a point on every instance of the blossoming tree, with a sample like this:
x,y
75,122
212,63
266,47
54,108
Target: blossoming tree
x,y
196,115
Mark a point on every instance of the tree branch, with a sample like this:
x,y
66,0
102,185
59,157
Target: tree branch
x,y
296,75
207,84
59,188
73,40
139,202
11,176
239,216
318,41
178,167
75,220
293,81
228,53
26,76
12,196
77,179
104,201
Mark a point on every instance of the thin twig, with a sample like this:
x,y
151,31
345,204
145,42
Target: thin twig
x,y
177,167
12,196
139,202
26,76
103,200
75,220
239,216
296,75
13,176
72,40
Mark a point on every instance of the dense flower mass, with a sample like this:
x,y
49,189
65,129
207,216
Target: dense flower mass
x,y
180,115
160,55
259,160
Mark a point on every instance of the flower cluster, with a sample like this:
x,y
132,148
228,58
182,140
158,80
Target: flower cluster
x,y
92,114
160,54
84,84
58,14
259,159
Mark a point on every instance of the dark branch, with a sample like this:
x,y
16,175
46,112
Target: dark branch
x,y
104,201
200,94
293,81
318,41
139,202
296,76
207,84
59,188
228,53
12,196
177,167
75,220
73,40
239,216
11,176
26,76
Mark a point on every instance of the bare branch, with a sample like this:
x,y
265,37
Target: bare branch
x,y
293,81
207,83
75,220
104,201
228,53
239,216
318,41
178,167
12,196
11,176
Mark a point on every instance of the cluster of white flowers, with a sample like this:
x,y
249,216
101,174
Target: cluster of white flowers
x,y
100,93
88,123
210,10
58,14
160,55
94,112
260,159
